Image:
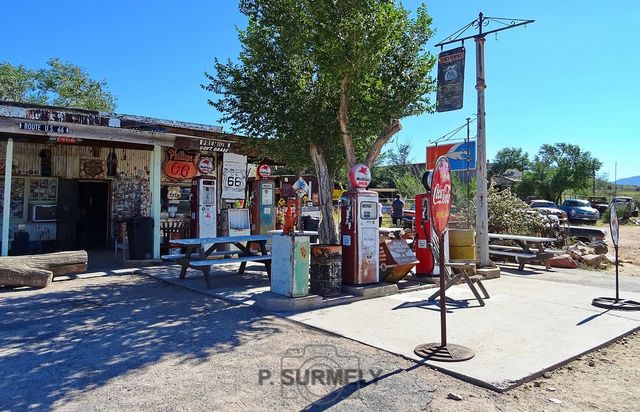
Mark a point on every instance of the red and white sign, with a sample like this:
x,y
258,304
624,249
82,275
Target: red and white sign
x,y
440,206
264,171
360,176
205,165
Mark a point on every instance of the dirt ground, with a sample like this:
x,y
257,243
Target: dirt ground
x,y
628,249
128,342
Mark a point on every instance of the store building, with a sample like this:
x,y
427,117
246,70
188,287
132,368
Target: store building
x,y
75,176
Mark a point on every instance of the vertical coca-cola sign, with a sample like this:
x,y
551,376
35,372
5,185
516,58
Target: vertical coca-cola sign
x,y
440,206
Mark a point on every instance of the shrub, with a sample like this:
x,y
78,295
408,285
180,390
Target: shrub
x,y
510,215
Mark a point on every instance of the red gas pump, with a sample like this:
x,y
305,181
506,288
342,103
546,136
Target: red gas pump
x,y
423,236
359,230
262,205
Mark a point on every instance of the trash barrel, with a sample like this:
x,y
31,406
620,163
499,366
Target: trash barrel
x,y
140,233
325,274
310,223
20,243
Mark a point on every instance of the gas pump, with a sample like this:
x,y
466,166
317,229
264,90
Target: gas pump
x,y
359,230
203,207
423,236
424,232
263,202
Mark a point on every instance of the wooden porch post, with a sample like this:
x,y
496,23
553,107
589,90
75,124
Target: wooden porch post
x,y
6,207
156,159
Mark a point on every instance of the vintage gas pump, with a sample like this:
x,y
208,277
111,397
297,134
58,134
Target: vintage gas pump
x,y
423,236
263,208
359,230
203,207
424,231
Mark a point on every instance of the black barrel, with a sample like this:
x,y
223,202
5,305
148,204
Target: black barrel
x,y
325,274
310,223
140,232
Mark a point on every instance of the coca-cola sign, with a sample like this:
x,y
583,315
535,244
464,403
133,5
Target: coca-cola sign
x,y
440,206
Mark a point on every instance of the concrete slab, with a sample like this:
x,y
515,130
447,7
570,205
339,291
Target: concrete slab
x,y
527,327
253,287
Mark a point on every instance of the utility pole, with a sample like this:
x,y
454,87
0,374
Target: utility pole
x,y
482,217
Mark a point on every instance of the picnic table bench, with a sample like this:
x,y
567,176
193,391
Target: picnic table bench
x,y
528,248
198,251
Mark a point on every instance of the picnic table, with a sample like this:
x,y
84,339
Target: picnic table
x,y
395,232
528,248
198,251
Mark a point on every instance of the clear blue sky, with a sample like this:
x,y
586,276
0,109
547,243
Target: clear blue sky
x,y
569,77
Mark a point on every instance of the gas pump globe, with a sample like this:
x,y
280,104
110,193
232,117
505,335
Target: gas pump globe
x,y
359,230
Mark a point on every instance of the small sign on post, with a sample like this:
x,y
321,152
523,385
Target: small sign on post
x,y
440,209
615,303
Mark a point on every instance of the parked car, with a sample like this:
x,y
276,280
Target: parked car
x,y
627,202
587,234
549,208
599,203
580,210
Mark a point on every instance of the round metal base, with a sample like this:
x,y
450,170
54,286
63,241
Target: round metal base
x,y
612,303
449,353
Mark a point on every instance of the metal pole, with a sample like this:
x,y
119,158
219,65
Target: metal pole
x,y
6,204
482,207
468,178
443,297
617,288
156,158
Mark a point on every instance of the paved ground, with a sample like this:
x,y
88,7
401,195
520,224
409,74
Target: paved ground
x,y
128,342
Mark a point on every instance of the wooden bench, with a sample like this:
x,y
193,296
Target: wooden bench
x,y
521,256
205,265
198,252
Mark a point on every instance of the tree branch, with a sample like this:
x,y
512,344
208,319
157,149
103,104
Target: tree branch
x,y
381,140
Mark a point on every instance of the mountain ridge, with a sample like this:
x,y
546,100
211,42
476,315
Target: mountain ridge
x,y
633,181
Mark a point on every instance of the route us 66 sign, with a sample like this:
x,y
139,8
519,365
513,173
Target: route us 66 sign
x,y
234,176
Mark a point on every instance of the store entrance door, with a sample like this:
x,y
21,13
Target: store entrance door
x,y
93,215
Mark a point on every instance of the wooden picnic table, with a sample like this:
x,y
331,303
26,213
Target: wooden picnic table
x,y
528,249
198,251
391,231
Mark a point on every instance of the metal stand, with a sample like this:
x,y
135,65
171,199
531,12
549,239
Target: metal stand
x,y
442,351
616,303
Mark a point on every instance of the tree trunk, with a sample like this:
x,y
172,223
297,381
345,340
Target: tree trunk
x,y
38,270
327,232
343,120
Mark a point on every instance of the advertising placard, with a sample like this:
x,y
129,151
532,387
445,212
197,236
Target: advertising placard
x,y
234,176
613,223
450,80
440,204
457,153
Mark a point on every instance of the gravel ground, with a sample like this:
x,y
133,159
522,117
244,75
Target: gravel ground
x,y
127,342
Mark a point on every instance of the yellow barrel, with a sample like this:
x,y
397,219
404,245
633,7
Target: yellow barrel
x,y
462,237
462,252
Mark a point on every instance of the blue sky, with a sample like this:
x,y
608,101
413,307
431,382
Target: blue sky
x,y
569,77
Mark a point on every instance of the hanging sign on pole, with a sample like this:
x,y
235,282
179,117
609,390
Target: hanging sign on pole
x,y
450,80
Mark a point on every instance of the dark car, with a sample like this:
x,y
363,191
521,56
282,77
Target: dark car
x,y
580,210
599,203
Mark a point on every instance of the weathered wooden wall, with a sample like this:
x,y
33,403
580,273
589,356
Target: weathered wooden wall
x,y
65,159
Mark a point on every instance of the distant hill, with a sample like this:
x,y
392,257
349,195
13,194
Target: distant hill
x,y
632,181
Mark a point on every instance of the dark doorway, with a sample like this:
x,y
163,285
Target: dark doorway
x,y
67,214
93,215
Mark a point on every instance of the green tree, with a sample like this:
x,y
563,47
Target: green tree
x,y
325,81
59,84
557,168
510,158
